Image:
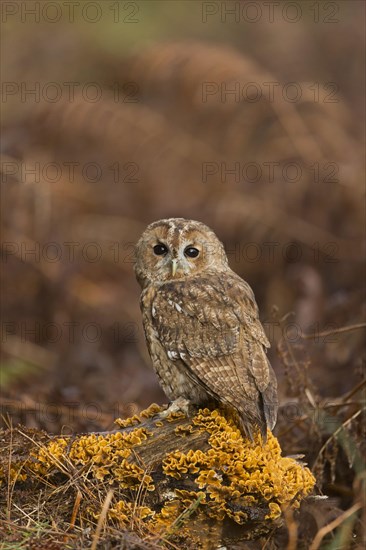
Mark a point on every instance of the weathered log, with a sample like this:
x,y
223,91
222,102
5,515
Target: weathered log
x,y
192,479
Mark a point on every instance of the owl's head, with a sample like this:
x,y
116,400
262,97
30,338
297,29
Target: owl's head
x,y
177,248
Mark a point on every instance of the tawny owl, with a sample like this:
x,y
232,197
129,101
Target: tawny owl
x,y
201,324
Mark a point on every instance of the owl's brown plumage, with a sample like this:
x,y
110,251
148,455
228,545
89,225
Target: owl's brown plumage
x,y
201,324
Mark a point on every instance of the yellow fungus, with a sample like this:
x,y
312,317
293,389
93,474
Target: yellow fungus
x,y
230,479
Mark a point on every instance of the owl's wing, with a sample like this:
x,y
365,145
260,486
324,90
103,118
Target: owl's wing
x,y
212,326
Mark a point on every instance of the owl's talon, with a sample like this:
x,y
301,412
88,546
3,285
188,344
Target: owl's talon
x,y
178,405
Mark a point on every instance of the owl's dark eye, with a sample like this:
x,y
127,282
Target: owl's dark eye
x,y
160,249
191,252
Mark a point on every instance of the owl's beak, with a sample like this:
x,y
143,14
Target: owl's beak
x,y
174,267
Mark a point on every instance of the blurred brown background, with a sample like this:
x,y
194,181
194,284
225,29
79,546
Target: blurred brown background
x,y
119,113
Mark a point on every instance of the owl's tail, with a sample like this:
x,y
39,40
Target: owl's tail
x,y
249,422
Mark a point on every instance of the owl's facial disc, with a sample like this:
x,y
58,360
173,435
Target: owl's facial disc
x,y
176,248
